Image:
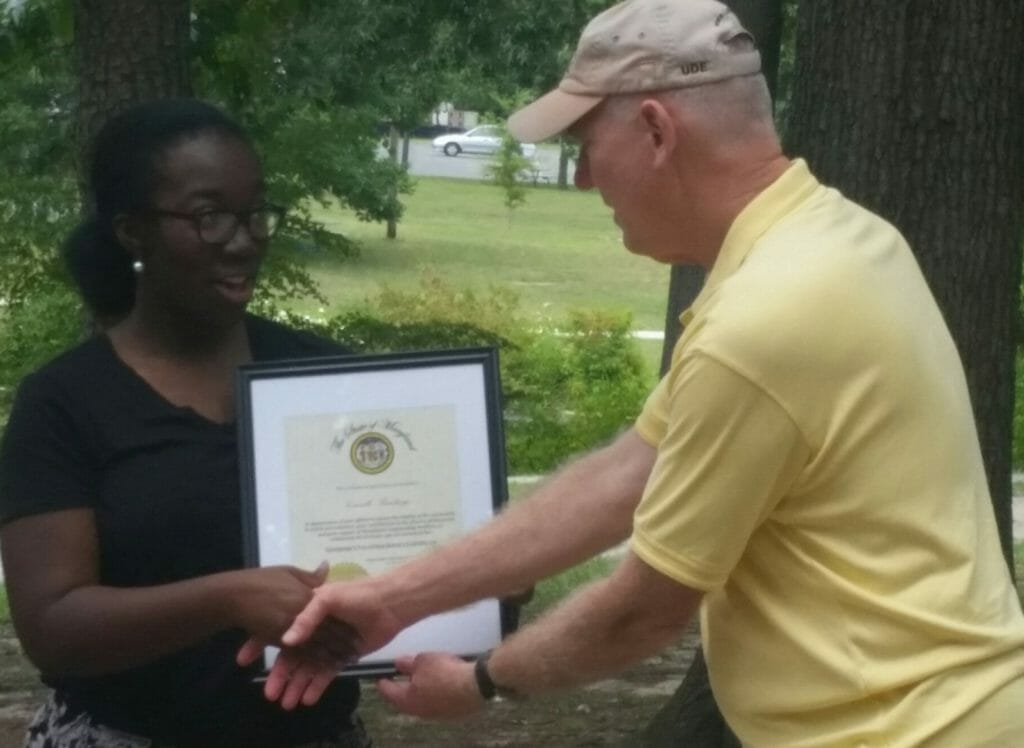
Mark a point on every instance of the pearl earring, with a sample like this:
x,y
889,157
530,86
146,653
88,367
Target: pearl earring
x,y
138,267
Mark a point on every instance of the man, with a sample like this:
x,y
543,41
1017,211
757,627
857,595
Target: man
x,y
807,475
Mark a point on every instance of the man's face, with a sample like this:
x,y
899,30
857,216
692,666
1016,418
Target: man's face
x,y
615,158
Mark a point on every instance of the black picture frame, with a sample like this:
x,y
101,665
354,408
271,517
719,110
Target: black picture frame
x,y
286,411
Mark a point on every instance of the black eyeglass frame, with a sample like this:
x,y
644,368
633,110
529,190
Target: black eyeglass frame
x,y
276,212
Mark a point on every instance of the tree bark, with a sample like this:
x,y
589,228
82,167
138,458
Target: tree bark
x,y
924,124
126,52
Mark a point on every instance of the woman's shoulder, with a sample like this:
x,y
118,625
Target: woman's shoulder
x,y
80,366
271,340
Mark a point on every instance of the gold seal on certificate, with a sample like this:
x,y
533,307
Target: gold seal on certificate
x,y
368,461
372,488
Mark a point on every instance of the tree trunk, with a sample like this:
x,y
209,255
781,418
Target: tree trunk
x,y
405,149
393,139
563,165
127,52
924,124
684,284
691,716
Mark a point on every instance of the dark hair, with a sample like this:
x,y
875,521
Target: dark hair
x,y
122,175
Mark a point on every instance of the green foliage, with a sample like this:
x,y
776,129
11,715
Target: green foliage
x,y
497,312
567,388
506,170
1018,412
38,194
516,45
310,102
32,333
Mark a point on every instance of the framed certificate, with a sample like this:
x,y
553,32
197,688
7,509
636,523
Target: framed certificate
x,y
369,461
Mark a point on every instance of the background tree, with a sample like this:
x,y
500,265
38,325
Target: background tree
x,y
924,124
127,52
38,193
309,92
305,77
517,50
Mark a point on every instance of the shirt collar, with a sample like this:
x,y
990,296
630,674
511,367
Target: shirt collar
x,y
780,198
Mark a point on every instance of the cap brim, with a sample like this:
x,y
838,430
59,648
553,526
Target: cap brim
x,y
552,113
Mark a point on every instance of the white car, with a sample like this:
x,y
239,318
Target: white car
x,y
482,139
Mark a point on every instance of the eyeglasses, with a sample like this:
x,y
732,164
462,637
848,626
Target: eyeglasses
x,y
219,226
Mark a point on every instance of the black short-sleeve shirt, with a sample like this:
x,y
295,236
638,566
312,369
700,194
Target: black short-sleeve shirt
x,y
86,431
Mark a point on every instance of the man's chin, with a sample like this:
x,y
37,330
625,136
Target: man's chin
x,y
635,247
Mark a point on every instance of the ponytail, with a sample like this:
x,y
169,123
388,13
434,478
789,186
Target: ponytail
x,y
101,269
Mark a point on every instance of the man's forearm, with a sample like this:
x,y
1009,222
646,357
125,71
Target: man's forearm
x,y
585,509
606,627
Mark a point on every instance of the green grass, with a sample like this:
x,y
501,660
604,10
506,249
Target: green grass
x,y
551,591
559,251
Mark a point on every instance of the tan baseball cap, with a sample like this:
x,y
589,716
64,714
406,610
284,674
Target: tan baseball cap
x,y
641,45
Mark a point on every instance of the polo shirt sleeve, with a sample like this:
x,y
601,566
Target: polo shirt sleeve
x,y
727,454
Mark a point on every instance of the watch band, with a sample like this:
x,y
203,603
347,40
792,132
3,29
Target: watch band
x,y
484,683
489,690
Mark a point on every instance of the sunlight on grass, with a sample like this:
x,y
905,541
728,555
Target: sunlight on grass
x,y
561,250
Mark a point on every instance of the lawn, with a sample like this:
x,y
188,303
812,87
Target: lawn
x,y
561,250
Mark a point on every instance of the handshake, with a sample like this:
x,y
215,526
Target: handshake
x,y
347,620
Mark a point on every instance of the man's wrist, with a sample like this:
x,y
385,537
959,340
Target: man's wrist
x,y
490,690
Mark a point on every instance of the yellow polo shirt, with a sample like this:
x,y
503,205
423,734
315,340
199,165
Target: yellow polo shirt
x,y
819,477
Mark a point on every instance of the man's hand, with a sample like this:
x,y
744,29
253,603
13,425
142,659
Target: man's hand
x,y
437,686
361,605
343,621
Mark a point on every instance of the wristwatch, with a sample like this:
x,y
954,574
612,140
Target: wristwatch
x,y
489,690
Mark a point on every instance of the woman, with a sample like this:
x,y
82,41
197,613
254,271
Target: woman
x,y
119,491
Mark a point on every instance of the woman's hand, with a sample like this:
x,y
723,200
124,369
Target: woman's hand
x,y
265,601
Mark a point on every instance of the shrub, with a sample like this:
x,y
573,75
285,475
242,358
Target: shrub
x,y
31,333
565,389
571,389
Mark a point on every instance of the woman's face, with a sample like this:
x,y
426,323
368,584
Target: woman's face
x,y
212,281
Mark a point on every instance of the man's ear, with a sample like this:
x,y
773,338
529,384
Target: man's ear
x,y
129,232
660,128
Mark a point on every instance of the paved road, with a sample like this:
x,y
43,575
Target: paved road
x,y
425,161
